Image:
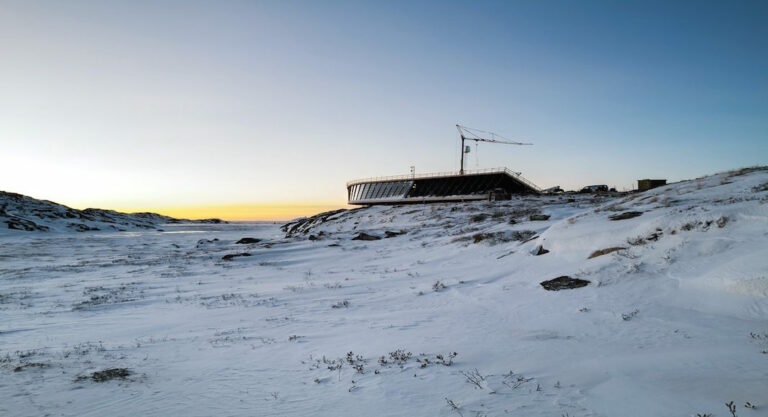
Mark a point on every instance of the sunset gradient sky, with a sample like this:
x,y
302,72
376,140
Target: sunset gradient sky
x,y
263,110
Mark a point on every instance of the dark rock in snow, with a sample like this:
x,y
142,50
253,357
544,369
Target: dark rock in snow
x,y
81,227
247,240
626,215
538,217
389,233
26,225
564,283
539,250
365,236
107,375
232,256
204,242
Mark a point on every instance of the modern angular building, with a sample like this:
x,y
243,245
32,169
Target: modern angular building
x,y
487,184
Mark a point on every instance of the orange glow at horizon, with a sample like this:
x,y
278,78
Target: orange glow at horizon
x,y
241,212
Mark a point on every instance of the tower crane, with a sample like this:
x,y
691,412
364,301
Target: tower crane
x,y
468,133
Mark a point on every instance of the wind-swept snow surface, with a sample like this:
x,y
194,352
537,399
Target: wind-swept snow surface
x,y
436,310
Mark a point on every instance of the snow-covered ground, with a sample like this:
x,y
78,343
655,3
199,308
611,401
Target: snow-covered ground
x,y
674,323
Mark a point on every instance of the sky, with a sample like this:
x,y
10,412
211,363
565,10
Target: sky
x,y
265,109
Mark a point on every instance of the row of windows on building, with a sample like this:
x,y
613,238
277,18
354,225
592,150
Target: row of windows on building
x,y
379,190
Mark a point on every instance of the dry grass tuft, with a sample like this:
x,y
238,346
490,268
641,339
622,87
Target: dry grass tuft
x,y
605,251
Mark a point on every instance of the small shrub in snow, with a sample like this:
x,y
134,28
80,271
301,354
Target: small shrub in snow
x,y
475,378
721,221
446,362
453,406
760,338
330,364
516,381
440,359
397,357
731,408
341,304
357,362
629,316
438,286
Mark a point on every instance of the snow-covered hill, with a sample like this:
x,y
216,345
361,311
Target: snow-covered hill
x,y
434,310
21,213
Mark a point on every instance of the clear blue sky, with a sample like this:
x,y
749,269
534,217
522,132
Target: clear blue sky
x,y
157,104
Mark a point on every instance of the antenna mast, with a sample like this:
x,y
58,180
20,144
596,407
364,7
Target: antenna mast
x,y
468,133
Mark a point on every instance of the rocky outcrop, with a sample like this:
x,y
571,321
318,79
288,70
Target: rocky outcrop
x,y
20,212
302,226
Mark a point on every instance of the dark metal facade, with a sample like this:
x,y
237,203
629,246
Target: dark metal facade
x,y
498,184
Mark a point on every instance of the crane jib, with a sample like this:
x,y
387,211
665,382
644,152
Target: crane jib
x,y
475,137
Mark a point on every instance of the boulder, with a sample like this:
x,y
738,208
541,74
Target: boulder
x,y
538,217
247,241
365,236
232,256
564,283
626,215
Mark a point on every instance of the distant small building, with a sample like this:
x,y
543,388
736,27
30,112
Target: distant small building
x,y
553,190
599,188
644,185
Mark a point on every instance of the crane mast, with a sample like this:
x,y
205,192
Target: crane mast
x,y
467,133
